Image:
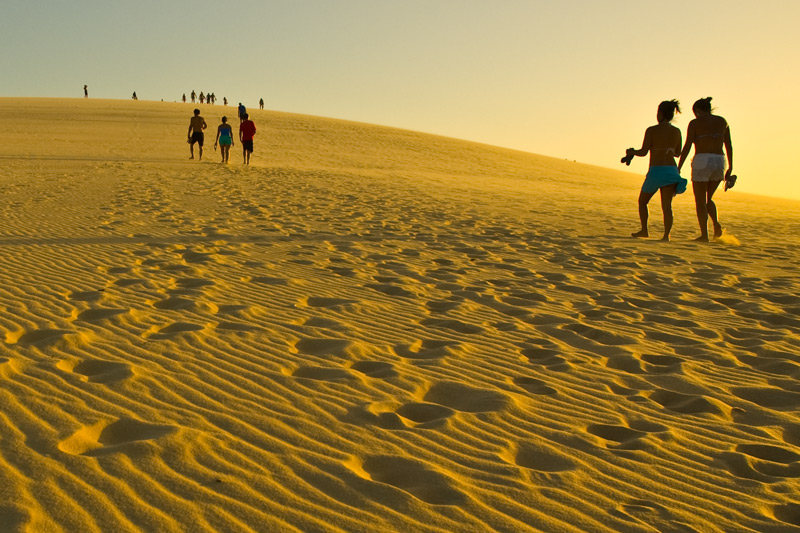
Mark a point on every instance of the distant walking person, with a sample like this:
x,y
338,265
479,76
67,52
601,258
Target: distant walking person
x,y
663,141
195,134
194,96
709,133
184,98
224,100
86,91
261,104
242,112
134,97
247,130
202,98
225,139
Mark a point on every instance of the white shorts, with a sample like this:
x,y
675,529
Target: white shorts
x,y
709,167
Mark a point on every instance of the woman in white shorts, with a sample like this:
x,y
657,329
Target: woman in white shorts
x,y
708,133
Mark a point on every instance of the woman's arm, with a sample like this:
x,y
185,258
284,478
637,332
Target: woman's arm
x,y
646,144
688,146
219,130
729,150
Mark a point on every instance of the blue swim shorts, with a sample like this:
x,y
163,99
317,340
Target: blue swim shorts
x,y
658,177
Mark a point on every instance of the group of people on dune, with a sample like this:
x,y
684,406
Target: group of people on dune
x,y
224,138
709,134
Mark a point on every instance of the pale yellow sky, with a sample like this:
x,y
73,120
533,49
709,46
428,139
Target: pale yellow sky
x,y
578,80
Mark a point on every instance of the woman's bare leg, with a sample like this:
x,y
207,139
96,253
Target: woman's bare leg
x,y
711,207
700,189
644,214
667,194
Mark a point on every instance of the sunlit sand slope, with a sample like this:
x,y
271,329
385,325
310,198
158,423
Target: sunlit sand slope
x,y
378,330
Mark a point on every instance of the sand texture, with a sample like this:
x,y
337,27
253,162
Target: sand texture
x,y
372,329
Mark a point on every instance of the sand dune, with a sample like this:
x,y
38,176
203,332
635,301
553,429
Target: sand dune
x,y
378,330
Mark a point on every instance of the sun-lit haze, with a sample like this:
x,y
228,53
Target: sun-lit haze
x,y
576,80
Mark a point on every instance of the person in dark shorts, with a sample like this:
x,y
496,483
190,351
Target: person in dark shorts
x,y
242,112
195,134
247,130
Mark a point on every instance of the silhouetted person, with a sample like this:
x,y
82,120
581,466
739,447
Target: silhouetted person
x,y
261,104
195,134
202,98
225,139
663,141
134,97
709,133
242,112
184,98
247,130
86,91
224,100
194,96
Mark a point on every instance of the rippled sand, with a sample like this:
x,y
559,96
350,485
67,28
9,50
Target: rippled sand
x,y
378,330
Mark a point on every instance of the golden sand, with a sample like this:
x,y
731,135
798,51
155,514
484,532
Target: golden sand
x,y
372,329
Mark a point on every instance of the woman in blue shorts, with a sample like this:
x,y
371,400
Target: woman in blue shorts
x,y
224,139
663,142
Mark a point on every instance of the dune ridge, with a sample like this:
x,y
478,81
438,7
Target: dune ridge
x,y
378,330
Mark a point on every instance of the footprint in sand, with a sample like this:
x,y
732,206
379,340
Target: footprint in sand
x,y
688,404
460,397
97,371
99,314
600,336
538,457
760,462
428,349
324,347
547,357
442,306
42,337
425,415
534,386
410,476
375,369
770,397
320,373
788,513
628,437
105,438
87,296
171,330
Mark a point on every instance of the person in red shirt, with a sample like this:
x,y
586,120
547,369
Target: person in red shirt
x,y
247,130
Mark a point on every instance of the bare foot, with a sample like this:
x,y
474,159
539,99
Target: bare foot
x,y
702,238
665,238
641,233
717,231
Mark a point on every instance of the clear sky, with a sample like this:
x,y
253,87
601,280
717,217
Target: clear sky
x,y
578,79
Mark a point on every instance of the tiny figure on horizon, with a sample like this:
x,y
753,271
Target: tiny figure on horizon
x,y
86,91
202,98
247,130
134,97
210,98
224,100
184,98
708,133
194,96
195,134
663,141
225,139
261,104
242,112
